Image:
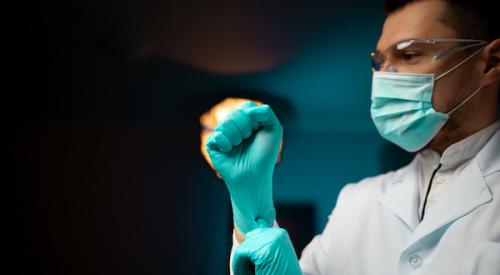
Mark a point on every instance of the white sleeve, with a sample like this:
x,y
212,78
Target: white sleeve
x,y
314,258
233,249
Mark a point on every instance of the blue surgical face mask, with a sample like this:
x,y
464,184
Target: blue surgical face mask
x,y
402,107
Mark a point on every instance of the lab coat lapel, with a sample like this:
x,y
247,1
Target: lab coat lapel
x,y
488,158
401,197
466,193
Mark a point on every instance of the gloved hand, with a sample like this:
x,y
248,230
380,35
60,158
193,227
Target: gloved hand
x,y
244,149
269,250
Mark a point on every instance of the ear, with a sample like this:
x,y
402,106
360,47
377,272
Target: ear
x,y
491,54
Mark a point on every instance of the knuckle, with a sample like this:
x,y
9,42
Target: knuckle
x,y
216,135
281,234
266,108
218,126
233,114
222,127
236,122
219,138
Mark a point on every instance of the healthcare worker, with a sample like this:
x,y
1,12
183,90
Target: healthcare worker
x,y
435,91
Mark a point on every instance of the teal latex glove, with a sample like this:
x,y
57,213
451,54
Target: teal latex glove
x,y
244,149
269,250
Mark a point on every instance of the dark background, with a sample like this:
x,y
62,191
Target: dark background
x,y
104,172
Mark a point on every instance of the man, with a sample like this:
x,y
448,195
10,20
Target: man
x,y
435,91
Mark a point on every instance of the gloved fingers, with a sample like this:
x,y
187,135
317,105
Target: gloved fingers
x,y
242,122
264,236
255,233
217,141
270,250
230,131
242,263
264,115
247,105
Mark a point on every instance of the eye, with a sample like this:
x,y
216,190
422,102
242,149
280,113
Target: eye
x,y
411,57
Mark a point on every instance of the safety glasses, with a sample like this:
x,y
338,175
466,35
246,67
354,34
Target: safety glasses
x,y
411,55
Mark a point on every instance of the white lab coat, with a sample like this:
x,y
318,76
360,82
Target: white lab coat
x,y
375,228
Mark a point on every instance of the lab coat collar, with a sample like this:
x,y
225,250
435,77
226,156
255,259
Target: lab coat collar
x,y
488,158
458,153
469,191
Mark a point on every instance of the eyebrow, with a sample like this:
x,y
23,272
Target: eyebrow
x,y
399,41
391,45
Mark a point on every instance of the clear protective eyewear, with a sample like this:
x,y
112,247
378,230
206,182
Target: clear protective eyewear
x,y
412,55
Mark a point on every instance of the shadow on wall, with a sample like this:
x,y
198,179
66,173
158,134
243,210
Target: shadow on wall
x,y
123,198
106,160
392,157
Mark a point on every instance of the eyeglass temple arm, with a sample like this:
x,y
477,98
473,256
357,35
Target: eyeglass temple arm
x,y
454,50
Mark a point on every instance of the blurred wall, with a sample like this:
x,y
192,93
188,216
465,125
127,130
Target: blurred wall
x,y
107,170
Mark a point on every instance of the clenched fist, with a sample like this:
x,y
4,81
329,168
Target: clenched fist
x,y
244,149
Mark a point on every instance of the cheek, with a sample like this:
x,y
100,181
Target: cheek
x,y
452,89
443,95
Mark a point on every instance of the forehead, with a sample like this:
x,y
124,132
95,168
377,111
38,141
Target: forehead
x,y
418,19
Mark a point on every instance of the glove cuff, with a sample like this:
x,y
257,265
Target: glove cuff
x,y
247,218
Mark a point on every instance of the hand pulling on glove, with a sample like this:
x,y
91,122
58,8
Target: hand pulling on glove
x,y
269,250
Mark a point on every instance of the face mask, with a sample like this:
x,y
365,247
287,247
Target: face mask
x,y
402,107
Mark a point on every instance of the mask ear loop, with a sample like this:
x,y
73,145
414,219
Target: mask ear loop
x,y
458,65
464,101
453,68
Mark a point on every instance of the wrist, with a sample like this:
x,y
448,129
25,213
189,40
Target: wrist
x,y
249,217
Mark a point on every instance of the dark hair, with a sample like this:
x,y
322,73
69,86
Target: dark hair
x,y
471,19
